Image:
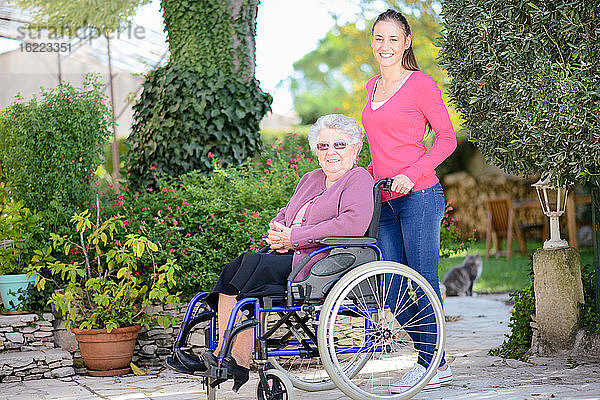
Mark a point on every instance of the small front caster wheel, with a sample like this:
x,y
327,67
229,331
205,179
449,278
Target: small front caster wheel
x,y
279,386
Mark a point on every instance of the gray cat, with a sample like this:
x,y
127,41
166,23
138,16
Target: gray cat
x,y
460,279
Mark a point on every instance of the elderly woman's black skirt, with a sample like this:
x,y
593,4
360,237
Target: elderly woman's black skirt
x,y
253,275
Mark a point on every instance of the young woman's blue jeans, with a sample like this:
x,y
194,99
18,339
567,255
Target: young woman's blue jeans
x,y
409,233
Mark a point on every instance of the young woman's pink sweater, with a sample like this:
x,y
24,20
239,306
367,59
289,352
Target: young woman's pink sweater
x,y
396,129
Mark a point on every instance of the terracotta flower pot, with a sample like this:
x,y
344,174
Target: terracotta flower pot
x,y
107,354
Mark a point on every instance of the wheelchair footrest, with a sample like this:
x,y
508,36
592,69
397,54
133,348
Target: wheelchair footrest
x,y
219,372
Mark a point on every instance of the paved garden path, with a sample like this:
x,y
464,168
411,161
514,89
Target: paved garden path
x,y
481,324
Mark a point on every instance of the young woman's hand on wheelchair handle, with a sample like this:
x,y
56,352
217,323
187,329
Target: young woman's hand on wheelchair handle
x,y
402,184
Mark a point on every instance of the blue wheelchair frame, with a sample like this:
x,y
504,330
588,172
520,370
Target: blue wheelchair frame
x,y
233,329
307,348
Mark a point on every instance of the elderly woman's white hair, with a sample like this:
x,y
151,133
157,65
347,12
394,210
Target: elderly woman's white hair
x,y
339,122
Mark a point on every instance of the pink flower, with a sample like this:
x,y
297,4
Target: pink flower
x,y
336,109
254,215
175,222
266,171
153,167
269,162
284,176
210,155
185,203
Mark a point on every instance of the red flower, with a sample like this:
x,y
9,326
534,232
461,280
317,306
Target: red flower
x,y
175,222
269,162
210,155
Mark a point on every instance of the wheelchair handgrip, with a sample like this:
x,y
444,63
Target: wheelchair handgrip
x,y
385,184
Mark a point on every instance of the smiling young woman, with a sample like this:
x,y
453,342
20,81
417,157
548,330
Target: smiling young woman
x,y
402,102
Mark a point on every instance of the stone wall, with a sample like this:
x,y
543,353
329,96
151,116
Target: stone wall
x,y
27,349
39,346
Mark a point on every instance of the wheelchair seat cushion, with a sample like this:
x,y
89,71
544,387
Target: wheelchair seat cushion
x,y
253,275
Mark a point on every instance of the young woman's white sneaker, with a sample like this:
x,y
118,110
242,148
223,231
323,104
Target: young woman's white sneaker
x,y
445,376
410,379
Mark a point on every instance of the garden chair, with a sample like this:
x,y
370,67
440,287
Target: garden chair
x,y
500,224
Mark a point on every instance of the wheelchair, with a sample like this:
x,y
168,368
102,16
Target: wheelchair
x,y
338,327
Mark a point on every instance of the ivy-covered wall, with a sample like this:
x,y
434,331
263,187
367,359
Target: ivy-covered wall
x,y
206,100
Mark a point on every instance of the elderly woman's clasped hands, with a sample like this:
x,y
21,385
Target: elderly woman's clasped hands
x,y
279,237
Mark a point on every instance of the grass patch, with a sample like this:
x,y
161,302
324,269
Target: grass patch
x,y
500,275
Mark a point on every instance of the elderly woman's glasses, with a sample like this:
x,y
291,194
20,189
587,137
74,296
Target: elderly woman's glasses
x,y
339,145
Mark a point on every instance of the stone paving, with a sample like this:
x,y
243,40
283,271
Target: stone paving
x,y
481,324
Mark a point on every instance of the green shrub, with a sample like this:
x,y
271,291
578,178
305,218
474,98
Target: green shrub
x,y
590,318
51,147
519,340
450,236
184,115
524,76
205,221
19,224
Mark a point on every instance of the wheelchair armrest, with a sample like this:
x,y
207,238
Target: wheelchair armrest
x,y
341,241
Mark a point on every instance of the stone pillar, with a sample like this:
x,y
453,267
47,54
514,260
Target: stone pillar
x,y
558,290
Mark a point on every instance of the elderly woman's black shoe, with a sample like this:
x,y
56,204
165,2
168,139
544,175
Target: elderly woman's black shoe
x,y
191,361
239,374
209,359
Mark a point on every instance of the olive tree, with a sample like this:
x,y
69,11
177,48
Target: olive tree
x,y
524,76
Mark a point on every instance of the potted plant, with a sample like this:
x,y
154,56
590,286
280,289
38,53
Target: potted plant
x,y
17,227
106,297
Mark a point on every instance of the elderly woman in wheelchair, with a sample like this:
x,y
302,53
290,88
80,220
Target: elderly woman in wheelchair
x,y
315,241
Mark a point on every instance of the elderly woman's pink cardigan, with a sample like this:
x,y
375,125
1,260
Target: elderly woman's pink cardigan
x,y
344,209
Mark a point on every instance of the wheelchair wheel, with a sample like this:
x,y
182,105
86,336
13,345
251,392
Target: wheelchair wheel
x,y
279,387
387,311
305,373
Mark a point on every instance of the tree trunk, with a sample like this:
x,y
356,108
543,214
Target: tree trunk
x,y
208,35
244,45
